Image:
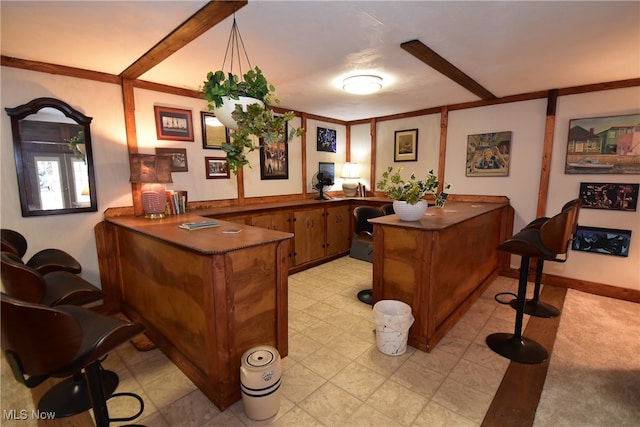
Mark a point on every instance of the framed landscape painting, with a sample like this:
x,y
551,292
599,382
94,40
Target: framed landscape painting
x,y
604,145
173,123
405,147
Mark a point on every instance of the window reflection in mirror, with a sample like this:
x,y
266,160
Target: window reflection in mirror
x,y
54,164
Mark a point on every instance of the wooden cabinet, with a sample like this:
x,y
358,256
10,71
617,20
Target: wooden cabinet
x,y
338,230
309,235
278,221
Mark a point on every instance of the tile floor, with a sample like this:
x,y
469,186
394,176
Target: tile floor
x,y
334,374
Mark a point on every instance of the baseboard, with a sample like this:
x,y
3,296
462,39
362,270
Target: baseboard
x,y
617,292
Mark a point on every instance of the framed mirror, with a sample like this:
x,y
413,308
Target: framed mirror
x,y
54,161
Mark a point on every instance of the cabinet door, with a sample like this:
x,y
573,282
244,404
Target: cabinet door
x,y
238,219
309,230
338,229
274,221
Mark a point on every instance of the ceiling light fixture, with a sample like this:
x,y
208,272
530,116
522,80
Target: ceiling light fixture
x,y
362,84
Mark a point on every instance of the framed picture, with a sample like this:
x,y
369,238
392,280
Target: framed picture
x,y
328,170
405,147
606,241
604,145
274,159
326,140
599,195
178,158
214,133
173,124
488,154
216,167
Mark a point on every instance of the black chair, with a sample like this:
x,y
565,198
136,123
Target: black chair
x,y
533,306
41,342
54,288
44,261
550,242
387,209
362,242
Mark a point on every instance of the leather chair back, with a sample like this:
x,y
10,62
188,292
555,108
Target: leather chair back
x,y
364,213
20,281
556,233
12,241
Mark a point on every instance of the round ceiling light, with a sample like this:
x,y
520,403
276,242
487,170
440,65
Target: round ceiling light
x,y
362,84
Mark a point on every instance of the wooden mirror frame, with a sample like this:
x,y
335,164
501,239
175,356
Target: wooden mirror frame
x,y
17,114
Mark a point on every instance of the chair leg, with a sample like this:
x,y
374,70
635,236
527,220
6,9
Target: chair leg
x,y
515,346
535,307
71,397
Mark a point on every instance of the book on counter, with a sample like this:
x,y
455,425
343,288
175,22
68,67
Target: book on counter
x,y
176,202
197,225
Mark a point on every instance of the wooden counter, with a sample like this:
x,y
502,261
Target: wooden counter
x,y
439,265
204,296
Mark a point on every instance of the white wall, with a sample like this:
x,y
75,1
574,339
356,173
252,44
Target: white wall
x,y
103,102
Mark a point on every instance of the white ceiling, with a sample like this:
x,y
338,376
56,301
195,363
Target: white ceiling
x,y
305,48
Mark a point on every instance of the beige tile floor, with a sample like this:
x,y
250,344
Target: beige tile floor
x,y
334,374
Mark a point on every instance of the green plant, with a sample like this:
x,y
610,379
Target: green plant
x,y
253,84
76,144
412,190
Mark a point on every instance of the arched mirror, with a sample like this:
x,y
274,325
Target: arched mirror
x,y
54,163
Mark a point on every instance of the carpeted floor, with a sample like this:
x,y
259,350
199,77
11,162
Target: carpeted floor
x,y
594,374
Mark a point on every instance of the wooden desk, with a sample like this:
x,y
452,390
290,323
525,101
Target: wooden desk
x,y
439,265
204,297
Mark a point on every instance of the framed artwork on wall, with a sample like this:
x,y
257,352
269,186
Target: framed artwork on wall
x,y
178,158
405,147
610,196
488,154
216,167
214,133
606,241
274,159
328,170
173,124
604,145
326,140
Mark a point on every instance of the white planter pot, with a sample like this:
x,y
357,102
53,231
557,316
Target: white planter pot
x,y
407,212
223,113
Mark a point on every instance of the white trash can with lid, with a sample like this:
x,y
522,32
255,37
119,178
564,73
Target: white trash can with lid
x,y
260,379
393,320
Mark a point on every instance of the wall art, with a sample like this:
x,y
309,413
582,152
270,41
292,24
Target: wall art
x,y
606,241
604,145
326,140
488,154
173,124
328,170
274,158
216,167
611,196
405,147
214,133
178,158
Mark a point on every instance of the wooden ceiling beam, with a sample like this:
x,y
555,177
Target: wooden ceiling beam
x,y
203,20
438,63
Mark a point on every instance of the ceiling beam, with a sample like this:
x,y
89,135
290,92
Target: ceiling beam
x,y
438,63
200,22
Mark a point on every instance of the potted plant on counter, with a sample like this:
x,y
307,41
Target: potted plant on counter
x,y
407,195
243,105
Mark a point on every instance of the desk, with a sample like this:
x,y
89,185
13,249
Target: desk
x,y
439,265
204,296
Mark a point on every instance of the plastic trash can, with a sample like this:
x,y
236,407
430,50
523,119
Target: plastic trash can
x,y
393,320
260,379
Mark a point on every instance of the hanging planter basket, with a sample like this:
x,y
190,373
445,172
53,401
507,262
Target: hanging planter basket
x,y
223,113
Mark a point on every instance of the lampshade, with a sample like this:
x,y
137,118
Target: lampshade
x,y
151,171
362,84
350,170
149,168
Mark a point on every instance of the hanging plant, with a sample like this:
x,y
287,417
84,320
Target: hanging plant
x,y
77,145
253,84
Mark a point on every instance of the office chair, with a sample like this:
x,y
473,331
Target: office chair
x,y
44,261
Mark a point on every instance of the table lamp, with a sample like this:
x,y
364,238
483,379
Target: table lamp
x,y
152,172
350,172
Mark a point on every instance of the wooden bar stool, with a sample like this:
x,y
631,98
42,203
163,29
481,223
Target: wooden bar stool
x,y
546,242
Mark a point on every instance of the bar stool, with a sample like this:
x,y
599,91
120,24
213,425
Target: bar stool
x,y
547,242
44,261
362,242
533,306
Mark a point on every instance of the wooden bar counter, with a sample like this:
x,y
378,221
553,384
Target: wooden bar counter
x,y
204,296
440,264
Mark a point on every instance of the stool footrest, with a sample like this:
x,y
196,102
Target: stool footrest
x,y
537,308
518,349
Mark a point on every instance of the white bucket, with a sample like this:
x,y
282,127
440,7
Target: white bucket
x,y
393,320
260,380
